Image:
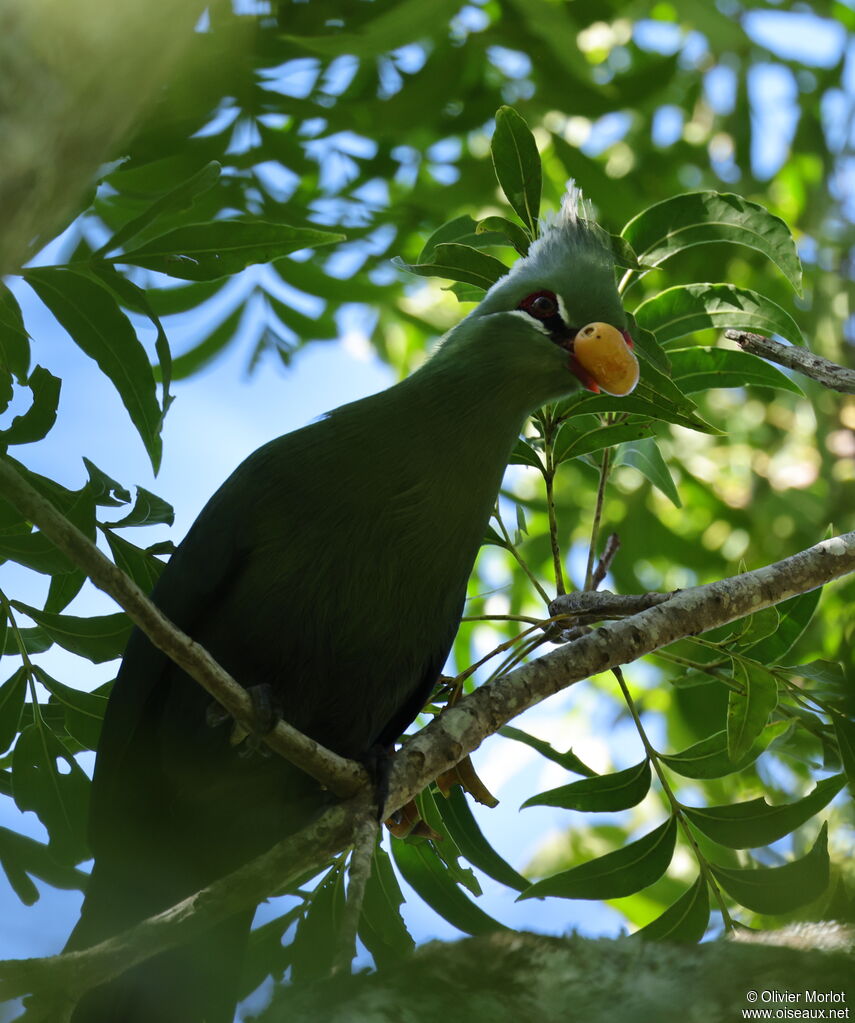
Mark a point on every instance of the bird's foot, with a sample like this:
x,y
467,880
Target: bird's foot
x,y
266,714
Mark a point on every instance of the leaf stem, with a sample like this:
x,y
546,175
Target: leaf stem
x,y
676,805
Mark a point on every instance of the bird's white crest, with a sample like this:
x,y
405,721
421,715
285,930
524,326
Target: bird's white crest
x,y
574,207
570,230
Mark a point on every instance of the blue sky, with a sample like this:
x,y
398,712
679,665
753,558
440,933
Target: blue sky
x,y
222,415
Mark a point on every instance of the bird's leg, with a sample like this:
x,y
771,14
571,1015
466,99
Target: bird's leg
x,y
378,764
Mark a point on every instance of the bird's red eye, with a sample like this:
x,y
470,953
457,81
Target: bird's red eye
x,y
542,305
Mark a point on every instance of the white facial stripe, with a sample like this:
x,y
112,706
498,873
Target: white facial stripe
x,y
530,320
562,310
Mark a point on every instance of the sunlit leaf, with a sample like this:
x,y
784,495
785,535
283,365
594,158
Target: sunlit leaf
x,y
616,874
699,369
617,791
314,944
749,710
569,761
709,758
688,308
754,823
698,218
422,868
381,925
58,796
14,342
685,921
457,262
99,638
37,421
93,319
517,165
181,197
779,889
470,840
204,252
796,614
645,456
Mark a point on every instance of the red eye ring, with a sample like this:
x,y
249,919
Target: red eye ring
x,y
542,305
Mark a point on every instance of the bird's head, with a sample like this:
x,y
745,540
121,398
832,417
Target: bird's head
x,y
531,321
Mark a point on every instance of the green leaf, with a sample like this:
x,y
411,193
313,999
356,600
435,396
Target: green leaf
x,y
569,761
84,712
465,231
38,420
779,889
99,638
698,218
422,868
461,263
64,588
142,567
645,456
21,857
148,509
709,758
90,314
512,232
12,695
844,730
135,298
624,255
204,252
103,488
34,550
59,797
463,829
313,948
571,442
524,454
446,849
749,710
182,197
381,925
754,823
517,165
699,369
647,347
14,341
688,308
796,614
618,791
405,22
616,874
648,400
685,921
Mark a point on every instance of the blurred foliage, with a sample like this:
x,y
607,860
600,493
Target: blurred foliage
x,y
363,130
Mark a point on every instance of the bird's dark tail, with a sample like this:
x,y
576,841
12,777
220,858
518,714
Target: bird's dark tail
x,y
196,983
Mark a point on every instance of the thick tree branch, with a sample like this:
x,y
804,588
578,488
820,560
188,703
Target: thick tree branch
x,y
336,773
456,732
829,374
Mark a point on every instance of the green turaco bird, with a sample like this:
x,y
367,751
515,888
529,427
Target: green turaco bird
x,y
332,567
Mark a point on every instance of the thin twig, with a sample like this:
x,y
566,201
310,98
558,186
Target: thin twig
x,y
605,563
676,805
823,371
598,512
